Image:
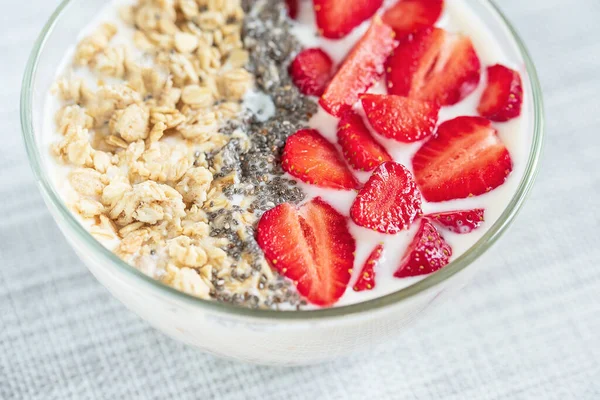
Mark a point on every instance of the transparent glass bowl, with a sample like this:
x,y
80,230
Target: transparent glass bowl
x,y
262,336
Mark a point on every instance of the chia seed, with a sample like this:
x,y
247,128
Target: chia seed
x,y
271,45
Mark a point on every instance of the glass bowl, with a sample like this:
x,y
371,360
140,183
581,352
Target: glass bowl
x,y
261,336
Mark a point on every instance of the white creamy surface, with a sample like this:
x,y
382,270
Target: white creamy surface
x,y
457,17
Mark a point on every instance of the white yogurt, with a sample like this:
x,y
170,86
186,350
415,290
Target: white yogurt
x,y
458,18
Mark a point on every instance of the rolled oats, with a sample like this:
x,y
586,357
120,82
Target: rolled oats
x,y
86,181
71,90
160,145
188,281
157,132
185,42
237,58
111,61
186,253
210,20
143,42
88,208
233,84
96,42
148,202
75,147
131,123
116,141
103,229
197,96
201,127
189,8
194,185
70,118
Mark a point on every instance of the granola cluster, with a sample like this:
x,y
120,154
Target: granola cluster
x,y
156,146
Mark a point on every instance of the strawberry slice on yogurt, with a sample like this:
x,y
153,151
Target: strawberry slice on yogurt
x,y
427,253
408,16
465,158
310,245
434,65
360,69
335,18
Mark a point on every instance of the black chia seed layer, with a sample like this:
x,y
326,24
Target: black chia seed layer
x,y
272,46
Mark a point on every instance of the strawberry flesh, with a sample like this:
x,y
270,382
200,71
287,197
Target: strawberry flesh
x,y
389,201
503,96
427,253
335,19
459,221
311,246
358,145
400,118
465,158
434,65
311,71
366,279
409,16
292,8
311,158
360,69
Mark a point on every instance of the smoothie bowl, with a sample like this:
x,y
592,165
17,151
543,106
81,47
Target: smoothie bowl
x,y
278,181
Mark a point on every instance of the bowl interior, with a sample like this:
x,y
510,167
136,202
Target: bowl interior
x,y
58,37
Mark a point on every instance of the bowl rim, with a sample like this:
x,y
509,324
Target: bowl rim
x,y
54,202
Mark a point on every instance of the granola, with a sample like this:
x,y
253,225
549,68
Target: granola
x,y
163,155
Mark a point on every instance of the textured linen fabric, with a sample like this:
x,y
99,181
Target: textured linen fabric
x,y
527,327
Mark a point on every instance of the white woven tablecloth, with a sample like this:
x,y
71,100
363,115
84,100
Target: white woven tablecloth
x,y
528,327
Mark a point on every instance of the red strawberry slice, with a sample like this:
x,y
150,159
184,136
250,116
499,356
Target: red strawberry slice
x,y
311,71
360,69
358,145
292,7
459,221
427,253
503,95
311,158
408,16
366,279
336,19
400,118
310,245
389,202
465,158
434,65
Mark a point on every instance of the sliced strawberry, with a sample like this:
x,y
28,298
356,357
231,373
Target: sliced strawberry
x,y
366,279
434,65
310,245
389,202
311,71
311,158
503,95
359,147
360,69
465,158
400,118
427,253
336,19
408,16
459,221
292,7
